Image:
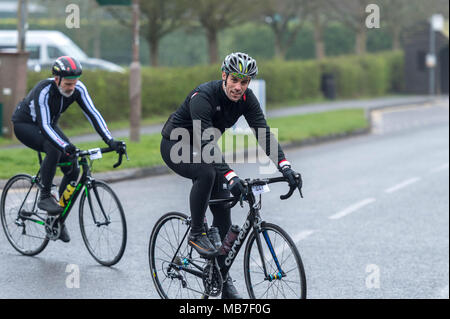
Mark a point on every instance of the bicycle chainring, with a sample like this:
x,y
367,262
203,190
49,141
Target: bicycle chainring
x,y
52,227
212,279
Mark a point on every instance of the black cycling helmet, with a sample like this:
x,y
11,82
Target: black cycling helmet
x,y
67,67
240,65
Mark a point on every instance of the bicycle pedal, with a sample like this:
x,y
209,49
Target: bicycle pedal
x,y
25,214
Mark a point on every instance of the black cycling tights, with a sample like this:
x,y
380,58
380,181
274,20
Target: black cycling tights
x,y
31,136
207,184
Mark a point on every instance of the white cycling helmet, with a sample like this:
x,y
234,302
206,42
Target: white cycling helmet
x,y
240,65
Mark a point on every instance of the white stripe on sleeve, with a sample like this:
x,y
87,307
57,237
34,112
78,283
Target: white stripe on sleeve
x,y
92,110
45,117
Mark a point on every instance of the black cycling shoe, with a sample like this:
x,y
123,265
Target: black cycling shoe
x,y
50,205
64,236
229,290
202,244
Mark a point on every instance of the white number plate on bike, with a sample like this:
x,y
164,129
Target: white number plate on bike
x,y
95,154
260,189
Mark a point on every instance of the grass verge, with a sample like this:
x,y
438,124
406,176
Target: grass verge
x,y
146,152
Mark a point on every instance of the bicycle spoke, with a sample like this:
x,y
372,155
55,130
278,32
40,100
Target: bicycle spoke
x,y
291,284
168,246
102,223
20,194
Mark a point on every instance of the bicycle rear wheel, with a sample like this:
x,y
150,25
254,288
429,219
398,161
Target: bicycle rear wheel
x,y
275,270
22,221
102,223
171,259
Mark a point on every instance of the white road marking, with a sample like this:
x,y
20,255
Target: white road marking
x,y
402,184
439,169
279,250
302,235
352,208
377,122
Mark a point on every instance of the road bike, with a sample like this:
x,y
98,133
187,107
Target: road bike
x,y
101,216
273,268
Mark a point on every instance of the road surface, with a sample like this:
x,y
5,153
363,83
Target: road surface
x,y
374,222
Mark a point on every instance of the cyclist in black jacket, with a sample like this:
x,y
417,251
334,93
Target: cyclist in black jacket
x,y
216,104
36,125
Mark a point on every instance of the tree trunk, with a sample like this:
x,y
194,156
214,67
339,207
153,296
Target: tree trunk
x,y
211,35
318,37
396,42
361,39
154,48
280,51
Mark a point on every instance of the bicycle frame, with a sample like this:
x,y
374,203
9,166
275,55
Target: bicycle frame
x,y
254,222
86,180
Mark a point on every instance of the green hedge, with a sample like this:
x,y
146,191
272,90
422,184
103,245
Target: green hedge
x,y
164,89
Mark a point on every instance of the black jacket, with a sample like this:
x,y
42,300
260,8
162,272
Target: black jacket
x,y
209,105
44,104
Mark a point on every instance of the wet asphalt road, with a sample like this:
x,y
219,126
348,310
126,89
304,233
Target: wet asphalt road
x,y
374,222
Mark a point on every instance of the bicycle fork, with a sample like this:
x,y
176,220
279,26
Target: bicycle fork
x,y
270,277
91,186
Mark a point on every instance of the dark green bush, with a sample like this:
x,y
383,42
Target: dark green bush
x,y
164,89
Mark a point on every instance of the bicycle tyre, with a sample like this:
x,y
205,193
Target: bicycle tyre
x,y
107,199
161,275
252,269
9,206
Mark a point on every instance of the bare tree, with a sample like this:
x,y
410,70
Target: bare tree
x,y
401,16
319,16
286,18
159,18
217,15
353,14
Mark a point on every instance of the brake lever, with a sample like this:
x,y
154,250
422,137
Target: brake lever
x,y
119,162
243,197
289,194
298,177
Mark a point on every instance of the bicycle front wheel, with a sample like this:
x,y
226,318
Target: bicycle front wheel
x,y
22,221
272,265
175,267
102,223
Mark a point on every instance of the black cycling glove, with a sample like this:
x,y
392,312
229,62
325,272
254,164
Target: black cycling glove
x,y
70,149
118,146
294,179
236,186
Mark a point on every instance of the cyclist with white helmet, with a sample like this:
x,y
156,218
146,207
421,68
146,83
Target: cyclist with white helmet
x,y
217,104
36,125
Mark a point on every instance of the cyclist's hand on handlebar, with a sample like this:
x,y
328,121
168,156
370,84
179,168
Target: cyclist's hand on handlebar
x,y
70,150
118,146
294,179
237,186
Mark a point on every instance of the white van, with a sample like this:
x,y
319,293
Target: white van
x,y
45,46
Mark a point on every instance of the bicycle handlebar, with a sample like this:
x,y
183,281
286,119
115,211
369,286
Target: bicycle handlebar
x,y
81,153
232,201
276,180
